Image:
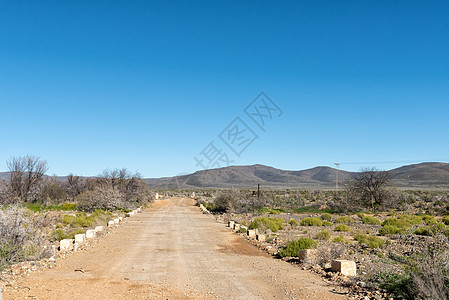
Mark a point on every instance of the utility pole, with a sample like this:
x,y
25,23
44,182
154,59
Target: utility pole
x,y
336,179
258,191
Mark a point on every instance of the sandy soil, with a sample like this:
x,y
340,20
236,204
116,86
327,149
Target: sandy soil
x,y
172,251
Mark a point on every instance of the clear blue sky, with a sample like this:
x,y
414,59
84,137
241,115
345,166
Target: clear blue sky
x,y
147,85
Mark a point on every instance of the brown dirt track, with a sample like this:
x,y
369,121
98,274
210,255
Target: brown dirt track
x,y
172,251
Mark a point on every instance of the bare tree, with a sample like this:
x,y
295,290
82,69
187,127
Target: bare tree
x,y
5,192
25,175
75,185
117,177
369,187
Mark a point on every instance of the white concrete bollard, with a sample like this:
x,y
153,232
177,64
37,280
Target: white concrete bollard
x,y
345,267
252,233
99,228
66,245
236,227
244,227
139,209
261,237
116,221
120,219
111,223
80,238
231,224
131,213
91,234
157,196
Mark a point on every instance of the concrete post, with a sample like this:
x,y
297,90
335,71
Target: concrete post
x,y
90,234
345,267
261,237
252,233
80,238
66,245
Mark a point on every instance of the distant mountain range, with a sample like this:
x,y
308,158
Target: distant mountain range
x,y
424,175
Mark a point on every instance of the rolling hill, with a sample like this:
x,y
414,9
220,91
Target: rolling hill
x,y
425,175
429,175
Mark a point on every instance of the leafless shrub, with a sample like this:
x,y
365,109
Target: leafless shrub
x,y
20,237
325,254
25,176
137,191
430,271
113,190
53,191
102,197
5,193
75,185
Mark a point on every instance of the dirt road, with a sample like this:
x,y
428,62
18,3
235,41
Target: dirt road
x,y
172,251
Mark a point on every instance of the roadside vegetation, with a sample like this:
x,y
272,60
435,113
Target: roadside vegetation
x,y
36,209
399,237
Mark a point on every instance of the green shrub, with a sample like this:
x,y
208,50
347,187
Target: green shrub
x,y
429,220
293,222
327,223
445,220
375,242
396,284
344,220
63,206
34,207
326,216
293,247
425,230
98,217
399,223
371,220
274,224
371,241
242,230
339,239
342,227
323,235
80,220
414,220
360,215
58,235
68,206
390,229
311,221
